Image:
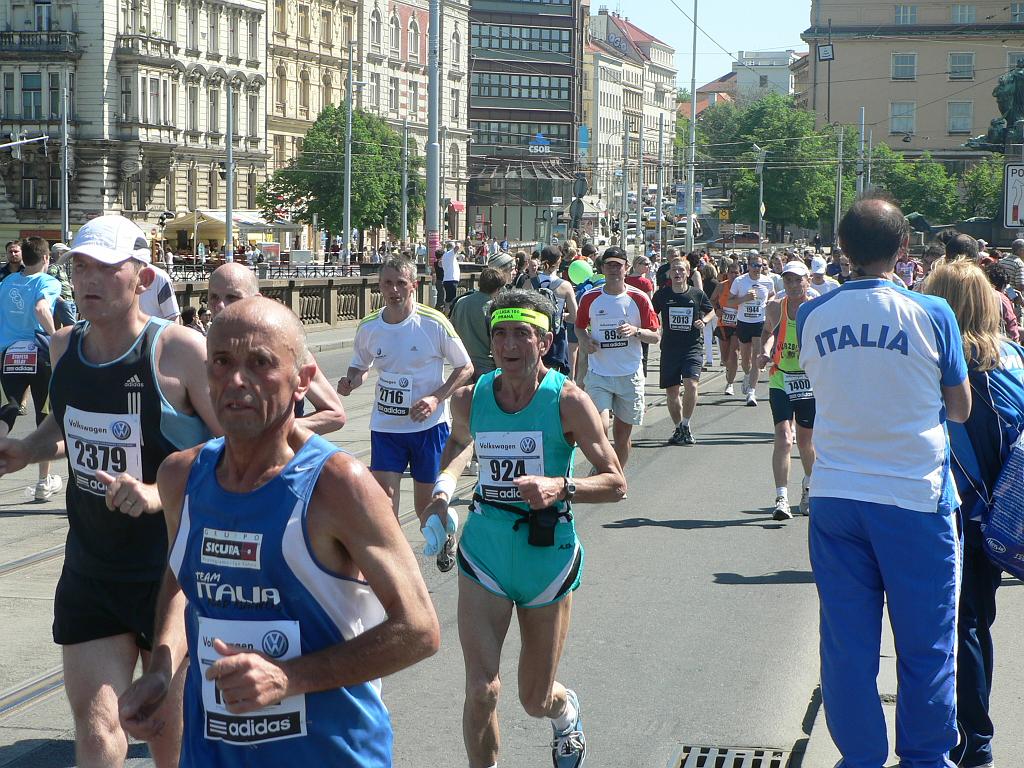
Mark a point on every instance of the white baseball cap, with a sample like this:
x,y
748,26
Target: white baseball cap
x,y
818,266
795,268
110,240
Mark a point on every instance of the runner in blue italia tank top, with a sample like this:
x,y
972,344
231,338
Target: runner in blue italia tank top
x,y
519,547
299,590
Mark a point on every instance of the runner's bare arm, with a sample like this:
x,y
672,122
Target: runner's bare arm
x,y
139,704
570,301
457,453
772,318
582,425
352,379
351,520
330,413
45,316
957,401
424,408
182,359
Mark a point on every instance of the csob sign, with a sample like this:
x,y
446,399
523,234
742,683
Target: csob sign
x,y
539,145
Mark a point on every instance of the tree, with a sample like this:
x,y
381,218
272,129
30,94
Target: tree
x,y
313,182
982,186
918,184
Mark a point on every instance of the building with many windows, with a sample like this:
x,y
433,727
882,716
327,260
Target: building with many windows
x,y
524,111
604,116
148,82
759,73
924,72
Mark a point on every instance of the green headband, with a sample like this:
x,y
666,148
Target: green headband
x,y
519,315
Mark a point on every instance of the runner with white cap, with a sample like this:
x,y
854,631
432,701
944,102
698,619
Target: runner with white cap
x,y
820,282
749,293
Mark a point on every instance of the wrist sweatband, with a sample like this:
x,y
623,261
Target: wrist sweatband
x,y
519,315
445,484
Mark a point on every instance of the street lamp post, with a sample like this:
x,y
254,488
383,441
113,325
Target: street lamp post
x,y
761,154
692,165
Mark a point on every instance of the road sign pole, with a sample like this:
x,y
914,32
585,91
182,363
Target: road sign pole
x,y
661,175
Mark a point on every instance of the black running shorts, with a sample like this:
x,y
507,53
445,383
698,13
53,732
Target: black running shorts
x,y
747,332
87,609
784,409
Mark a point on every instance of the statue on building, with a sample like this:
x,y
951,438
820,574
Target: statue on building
x,y
1003,131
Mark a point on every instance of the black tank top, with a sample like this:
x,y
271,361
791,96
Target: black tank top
x,y
111,417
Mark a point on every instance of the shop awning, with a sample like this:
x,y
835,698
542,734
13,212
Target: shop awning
x,y
210,224
457,205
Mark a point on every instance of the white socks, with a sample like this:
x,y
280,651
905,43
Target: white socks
x,y
782,491
567,718
684,422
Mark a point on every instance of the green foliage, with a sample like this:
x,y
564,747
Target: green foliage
x,y
982,186
314,182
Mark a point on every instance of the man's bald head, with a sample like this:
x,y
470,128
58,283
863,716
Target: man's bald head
x,y
261,315
229,283
873,231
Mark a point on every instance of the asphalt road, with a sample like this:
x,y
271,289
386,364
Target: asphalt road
x,y
696,623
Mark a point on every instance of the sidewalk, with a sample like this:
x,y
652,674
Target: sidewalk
x,y
340,336
1007,691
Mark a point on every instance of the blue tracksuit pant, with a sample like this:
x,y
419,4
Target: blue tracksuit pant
x,y
864,555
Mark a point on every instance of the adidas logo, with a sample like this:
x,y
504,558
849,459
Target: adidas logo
x,y
134,383
414,348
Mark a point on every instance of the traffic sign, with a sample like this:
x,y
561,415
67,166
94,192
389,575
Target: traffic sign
x,y
762,210
1013,195
723,214
556,200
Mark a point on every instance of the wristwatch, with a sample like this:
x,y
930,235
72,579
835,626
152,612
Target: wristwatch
x,y
570,488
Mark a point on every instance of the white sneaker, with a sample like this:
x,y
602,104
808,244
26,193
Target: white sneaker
x,y
782,509
728,389
752,399
48,486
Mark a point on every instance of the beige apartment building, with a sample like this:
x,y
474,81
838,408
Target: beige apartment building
x,y
923,71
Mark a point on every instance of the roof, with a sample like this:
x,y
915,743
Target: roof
x,y
634,32
724,84
704,100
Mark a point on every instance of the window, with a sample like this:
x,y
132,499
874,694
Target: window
x,y
8,94
906,14
454,106
488,133
193,188
375,90
144,102
154,101
166,112
304,93
499,85
453,162
346,30
236,97
192,28
328,90
53,184
233,34
1017,13
395,36
282,89
904,66
960,116
193,108
250,190
279,160
171,20
253,116
375,31
43,16
213,115
280,17
961,66
213,34
55,93
901,116
456,52
170,198
303,22
172,114
964,13
414,40
326,27
393,94
28,191
254,38
762,81
32,96
503,37
212,177
413,97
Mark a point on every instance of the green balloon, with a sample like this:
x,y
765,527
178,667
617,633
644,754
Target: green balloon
x,y
580,270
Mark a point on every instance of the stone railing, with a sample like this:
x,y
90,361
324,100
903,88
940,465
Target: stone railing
x,y
321,302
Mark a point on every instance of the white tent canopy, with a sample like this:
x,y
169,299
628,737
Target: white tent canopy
x,y
210,224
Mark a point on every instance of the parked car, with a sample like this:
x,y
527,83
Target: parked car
x,y
744,238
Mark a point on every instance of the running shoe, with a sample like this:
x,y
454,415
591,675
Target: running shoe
x,y
23,410
752,399
677,436
782,509
688,438
446,557
805,501
48,486
569,747
746,386
728,389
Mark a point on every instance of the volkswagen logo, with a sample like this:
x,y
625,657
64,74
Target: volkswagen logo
x,y
122,430
995,545
275,644
403,382
528,445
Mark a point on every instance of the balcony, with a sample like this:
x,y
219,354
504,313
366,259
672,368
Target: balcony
x,y
146,48
36,45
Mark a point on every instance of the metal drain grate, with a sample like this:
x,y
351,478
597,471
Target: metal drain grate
x,y
729,757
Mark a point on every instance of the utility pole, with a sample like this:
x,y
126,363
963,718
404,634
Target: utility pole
x,y
640,228
433,123
828,103
348,161
860,157
405,182
661,174
691,167
625,187
759,169
839,188
229,177
65,172
871,137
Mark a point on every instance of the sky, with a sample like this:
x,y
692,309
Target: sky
x,y
749,25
